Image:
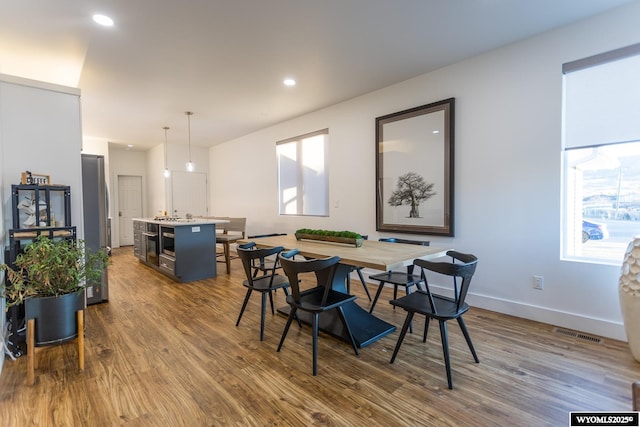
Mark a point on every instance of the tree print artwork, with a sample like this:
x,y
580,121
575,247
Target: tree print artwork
x,y
411,190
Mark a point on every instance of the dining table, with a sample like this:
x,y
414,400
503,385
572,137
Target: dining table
x,y
365,327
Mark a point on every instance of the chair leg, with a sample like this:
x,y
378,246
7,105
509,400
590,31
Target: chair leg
x,y
80,316
271,302
426,329
292,314
403,332
375,298
244,305
445,351
263,313
314,344
31,330
227,256
348,329
463,327
364,284
286,294
408,289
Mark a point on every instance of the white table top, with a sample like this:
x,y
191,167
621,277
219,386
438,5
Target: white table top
x,y
182,221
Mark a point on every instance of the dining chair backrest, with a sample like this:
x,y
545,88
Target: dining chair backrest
x,y
248,252
463,266
324,269
235,225
406,241
410,267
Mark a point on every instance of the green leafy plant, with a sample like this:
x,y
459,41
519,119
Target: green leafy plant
x,y
50,267
348,234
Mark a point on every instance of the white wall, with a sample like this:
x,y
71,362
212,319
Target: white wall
x,y
157,193
156,190
39,131
125,162
507,172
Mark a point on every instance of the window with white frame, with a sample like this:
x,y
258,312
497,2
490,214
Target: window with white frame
x,y
601,156
303,176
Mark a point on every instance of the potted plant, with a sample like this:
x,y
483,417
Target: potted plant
x,y
49,277
346,237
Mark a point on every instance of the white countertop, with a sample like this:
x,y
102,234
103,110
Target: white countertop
x,y
182,221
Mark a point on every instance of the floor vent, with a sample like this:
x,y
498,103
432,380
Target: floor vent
x,y
578,335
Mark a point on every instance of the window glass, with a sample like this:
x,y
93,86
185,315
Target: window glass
x,y
601,161
603,201
303,179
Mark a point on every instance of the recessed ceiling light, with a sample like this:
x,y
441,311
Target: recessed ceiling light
x,y
436,131
289,82
103,20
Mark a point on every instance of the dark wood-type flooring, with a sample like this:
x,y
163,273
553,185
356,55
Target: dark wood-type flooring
x,y
160,353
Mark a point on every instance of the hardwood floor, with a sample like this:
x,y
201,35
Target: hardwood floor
x,y
163,353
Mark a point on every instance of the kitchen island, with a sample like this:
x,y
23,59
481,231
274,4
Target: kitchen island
x,y
183,249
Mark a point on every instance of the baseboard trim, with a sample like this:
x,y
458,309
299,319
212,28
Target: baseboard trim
x,y
577,322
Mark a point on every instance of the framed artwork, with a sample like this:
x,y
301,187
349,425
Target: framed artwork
x,y
414,170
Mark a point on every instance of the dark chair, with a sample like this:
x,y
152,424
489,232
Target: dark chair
x,y
316,300
264,284
265,264
405,279
441,308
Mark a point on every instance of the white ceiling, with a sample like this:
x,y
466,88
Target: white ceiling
x,y
225,59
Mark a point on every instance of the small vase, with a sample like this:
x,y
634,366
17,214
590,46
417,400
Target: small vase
x,y
629,293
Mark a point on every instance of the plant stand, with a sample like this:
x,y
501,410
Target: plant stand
x,y
51,321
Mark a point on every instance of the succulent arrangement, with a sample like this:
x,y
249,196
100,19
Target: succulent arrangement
x,y
346,237
319,232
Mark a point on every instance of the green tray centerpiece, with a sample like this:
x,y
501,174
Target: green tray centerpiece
x,y
344,237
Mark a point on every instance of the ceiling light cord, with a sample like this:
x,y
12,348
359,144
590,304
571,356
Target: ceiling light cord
x,y
167,173
190,166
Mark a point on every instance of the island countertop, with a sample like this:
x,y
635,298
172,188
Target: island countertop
x,y
177,222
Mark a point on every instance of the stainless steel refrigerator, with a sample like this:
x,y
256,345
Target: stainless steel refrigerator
x,y
96,219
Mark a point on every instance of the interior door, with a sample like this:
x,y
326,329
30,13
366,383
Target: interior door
x,y
129,206
189,194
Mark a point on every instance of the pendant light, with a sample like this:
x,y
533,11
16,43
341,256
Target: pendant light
x,y
190,166
167,173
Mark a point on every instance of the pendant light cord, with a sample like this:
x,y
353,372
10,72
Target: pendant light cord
x,y
189,113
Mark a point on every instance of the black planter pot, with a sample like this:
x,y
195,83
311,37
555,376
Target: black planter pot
x,y
55,317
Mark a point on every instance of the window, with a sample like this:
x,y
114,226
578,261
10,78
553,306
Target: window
x,y
303,178
601,156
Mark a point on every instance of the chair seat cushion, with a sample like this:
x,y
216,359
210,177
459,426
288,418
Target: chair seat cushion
x,y
263,283
227,238
418,302
400,278
311,299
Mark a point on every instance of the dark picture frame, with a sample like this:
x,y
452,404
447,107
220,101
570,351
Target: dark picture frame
x,y
415,170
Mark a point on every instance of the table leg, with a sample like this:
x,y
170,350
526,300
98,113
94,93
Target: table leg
x,y
365,327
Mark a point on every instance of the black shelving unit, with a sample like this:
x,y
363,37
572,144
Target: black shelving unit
x,y
38,195
51,216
